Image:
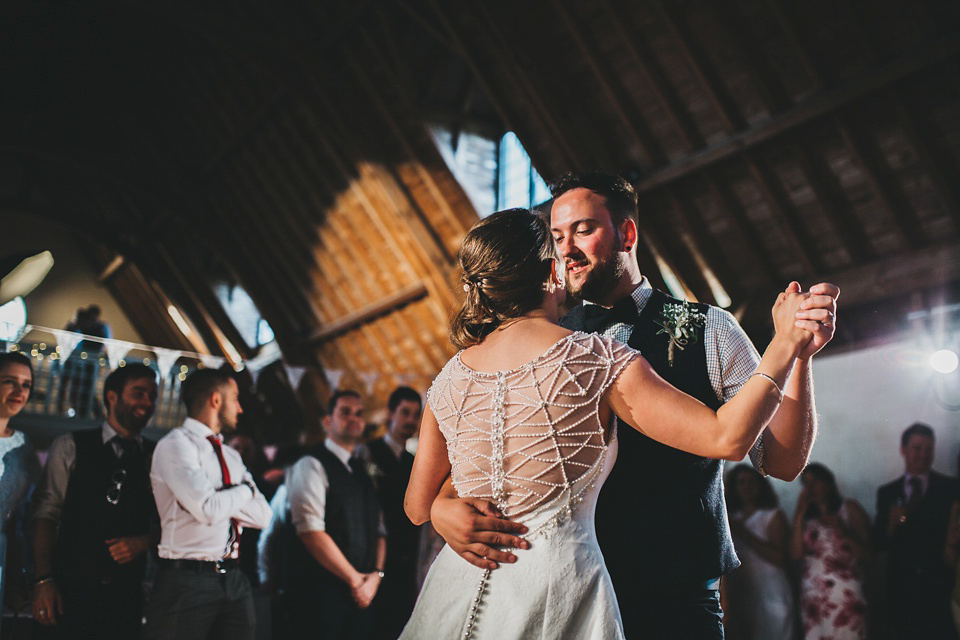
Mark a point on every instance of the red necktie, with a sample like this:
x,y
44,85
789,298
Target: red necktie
x,y
225,473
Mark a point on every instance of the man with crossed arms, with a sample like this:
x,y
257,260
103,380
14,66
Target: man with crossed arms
x,y
204,495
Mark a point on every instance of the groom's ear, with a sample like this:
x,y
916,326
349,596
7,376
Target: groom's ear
x,y
628,234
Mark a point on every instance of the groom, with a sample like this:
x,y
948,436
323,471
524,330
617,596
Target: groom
x,y
661,520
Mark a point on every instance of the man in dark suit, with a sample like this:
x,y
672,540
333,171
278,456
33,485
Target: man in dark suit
x,y
95,518
911,524
661,520
390,466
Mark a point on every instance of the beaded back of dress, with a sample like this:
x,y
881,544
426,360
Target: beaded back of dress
x,y
529,439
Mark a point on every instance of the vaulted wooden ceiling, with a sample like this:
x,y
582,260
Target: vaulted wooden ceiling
x,y
285,146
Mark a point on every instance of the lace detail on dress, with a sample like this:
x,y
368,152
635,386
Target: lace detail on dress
x,y
529,439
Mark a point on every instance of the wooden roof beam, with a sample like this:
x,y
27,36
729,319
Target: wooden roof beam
x,y
833,199
754,59
918,131
804,111
645,63
704,248
894,204
925,268
614,92
713,88
519,90
785,216
382,307
735,213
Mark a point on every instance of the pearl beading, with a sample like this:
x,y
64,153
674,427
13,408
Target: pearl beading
x,y
529,439
475,605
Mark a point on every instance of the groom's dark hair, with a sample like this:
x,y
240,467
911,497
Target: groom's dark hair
x,y
618,193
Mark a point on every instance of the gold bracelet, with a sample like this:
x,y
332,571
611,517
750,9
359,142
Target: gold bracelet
x,y
779,390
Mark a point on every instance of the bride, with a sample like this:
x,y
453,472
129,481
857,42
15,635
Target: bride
x,y
523,416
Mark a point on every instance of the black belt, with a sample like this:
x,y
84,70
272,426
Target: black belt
x,y
200,566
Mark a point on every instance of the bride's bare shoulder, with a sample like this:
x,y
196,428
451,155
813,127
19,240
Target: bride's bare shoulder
x,y
510,349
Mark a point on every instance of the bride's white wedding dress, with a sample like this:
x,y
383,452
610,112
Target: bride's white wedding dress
x,y
529,440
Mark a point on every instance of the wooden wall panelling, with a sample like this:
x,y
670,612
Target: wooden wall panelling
x,y
413,253
411,142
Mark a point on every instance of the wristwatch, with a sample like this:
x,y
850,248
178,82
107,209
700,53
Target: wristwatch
x,y
380,573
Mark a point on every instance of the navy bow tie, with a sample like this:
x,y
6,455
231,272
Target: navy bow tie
x,y
597,318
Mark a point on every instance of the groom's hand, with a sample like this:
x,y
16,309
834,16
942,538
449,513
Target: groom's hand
x,y
474,528
818,315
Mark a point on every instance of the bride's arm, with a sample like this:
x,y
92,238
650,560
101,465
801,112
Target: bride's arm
x,y
430,468
655,408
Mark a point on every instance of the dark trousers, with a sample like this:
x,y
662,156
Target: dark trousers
x,y
94,611
691,615
921,615
200,605
320,609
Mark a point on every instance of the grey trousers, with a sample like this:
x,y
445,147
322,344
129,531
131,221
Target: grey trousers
x,y
190,605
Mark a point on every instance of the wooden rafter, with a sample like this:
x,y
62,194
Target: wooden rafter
x,y
713,88
806,110
613,89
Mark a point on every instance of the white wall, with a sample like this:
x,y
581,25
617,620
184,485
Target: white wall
x,y
71,283
865,399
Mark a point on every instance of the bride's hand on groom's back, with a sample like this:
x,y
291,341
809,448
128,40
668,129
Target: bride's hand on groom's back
x,y
476,531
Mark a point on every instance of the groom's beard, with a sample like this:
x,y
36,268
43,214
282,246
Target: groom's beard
x,y
603,278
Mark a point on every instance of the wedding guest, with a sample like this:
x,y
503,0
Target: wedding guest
x,y
759,600
668,545
83,372
255,460
336,546
206,497
391,464
911,525
17,460
95,518
830,537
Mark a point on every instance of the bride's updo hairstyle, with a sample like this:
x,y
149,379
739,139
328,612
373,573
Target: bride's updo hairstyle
x,y
505,260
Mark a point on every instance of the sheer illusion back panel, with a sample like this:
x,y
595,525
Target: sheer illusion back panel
x,y
531,436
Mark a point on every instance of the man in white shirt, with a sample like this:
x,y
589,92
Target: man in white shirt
x,y
335,560
204,496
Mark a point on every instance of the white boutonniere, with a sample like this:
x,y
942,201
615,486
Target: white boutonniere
x,y
680,322
374,472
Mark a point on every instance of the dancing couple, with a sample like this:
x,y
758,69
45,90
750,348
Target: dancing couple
x,y
523,426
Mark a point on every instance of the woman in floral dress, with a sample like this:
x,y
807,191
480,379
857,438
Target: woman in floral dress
x,y
830,537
